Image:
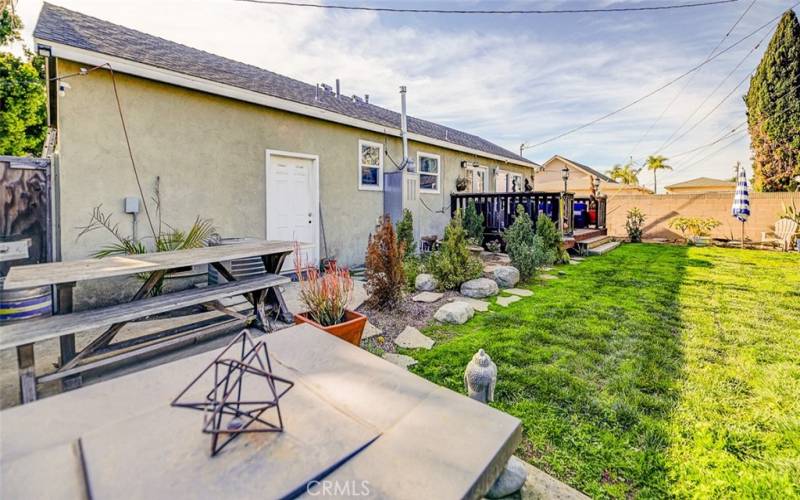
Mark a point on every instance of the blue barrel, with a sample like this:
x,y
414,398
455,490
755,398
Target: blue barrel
x,y
25,303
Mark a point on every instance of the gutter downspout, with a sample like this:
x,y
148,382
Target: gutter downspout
x,y
403,126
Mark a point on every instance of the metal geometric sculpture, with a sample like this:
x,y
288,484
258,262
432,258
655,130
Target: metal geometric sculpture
x,y
227,413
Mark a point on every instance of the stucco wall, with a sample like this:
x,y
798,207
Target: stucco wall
x,y
209,153
660,209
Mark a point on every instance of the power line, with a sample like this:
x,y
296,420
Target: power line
x,y
468,11
659,89
670,141
689,80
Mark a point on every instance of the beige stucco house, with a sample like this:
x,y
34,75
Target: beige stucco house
x,y
261,154
701,185
549,178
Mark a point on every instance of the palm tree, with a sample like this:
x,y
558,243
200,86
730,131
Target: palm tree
x,y
656,163
624,174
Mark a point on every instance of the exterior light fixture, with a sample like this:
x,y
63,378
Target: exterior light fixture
x,y
62,88
596,183
565,176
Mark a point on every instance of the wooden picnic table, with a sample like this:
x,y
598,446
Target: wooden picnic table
x,y
262,292
352,420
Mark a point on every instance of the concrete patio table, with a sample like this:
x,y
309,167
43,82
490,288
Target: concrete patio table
x,y
354,425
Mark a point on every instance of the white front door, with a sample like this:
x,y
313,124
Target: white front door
x,y
293,202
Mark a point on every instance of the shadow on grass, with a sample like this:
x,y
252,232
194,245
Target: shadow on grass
x,y
590,364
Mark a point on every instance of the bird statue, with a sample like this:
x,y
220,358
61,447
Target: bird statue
x,y
480,377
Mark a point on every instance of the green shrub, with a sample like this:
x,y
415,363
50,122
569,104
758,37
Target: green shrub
x,y
453,264
405,233
695,226
413,265
549,234
633,224
473,224
524,248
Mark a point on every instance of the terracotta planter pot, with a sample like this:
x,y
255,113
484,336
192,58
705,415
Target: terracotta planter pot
x,y
349,330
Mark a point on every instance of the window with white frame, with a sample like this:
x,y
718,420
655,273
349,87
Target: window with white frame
x,y
477,178
508,182
430,167
370,165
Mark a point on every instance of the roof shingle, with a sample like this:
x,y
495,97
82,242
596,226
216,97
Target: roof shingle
x,y
60,25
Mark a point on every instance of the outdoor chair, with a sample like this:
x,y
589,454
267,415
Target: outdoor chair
x,y
785,229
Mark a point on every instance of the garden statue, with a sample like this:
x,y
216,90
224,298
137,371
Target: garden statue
x,y
480,377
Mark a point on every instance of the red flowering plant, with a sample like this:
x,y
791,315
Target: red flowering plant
x,y
325,294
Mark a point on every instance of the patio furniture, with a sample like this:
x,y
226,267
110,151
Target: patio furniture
x,y
352,420
262,292
785,229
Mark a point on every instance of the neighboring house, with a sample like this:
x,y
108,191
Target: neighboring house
x,y
261,154
701,185
549,178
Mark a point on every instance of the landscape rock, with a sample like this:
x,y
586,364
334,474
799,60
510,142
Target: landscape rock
x,y
425,283
370,330
456,313
478,305
511,479
427,297
505,301
479,288
400,360
412,338
506,276
548,277
519,291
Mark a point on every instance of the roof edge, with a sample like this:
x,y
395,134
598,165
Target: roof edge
x,y
171,77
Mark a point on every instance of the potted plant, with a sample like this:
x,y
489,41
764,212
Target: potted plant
x,y
325,296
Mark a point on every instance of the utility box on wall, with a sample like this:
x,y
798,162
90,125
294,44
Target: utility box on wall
x,y
393,195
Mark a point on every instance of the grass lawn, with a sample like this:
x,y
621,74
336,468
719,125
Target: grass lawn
x,y
653,371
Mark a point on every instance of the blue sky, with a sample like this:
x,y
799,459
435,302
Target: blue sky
x,y
509,79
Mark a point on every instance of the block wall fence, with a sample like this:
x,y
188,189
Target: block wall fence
x,y
765,209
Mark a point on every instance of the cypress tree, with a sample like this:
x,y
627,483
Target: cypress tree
x,y
773,110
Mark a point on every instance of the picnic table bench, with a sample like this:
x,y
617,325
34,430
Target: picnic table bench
x,y
262,292
353,425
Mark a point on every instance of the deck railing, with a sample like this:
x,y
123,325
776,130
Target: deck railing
x,y
499,209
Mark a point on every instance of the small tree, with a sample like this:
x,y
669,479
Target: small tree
x,y
384,267
547,231
453,264
405,233
23,109
525,249
473,223
633,224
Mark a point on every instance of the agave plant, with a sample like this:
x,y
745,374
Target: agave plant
x,y
163,241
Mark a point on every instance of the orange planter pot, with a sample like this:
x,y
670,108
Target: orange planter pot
x,y
349,330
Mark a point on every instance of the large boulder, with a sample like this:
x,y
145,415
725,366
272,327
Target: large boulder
x,y
425,283
456,313
511,479
506,276
479,288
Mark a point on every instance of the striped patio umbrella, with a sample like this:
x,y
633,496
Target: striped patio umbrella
x,y
741,201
